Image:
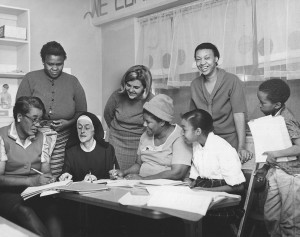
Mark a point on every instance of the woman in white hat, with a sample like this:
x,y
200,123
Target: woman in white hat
x,y
162,153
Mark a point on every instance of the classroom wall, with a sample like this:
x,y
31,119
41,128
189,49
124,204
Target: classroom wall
x,y
118,54
62,21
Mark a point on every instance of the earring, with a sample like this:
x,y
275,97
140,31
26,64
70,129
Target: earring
x,y
19,120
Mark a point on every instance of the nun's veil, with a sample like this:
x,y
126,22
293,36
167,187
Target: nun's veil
x,y
98,136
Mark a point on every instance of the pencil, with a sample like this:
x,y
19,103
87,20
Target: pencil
x,y
39,172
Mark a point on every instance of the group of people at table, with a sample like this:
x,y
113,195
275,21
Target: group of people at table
x,y
53,133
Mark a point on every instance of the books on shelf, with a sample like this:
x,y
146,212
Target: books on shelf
x,y
63,186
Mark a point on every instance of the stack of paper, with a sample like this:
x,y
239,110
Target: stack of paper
x,y
63,186
177,198
270,134
161,182
82,187
32,191
139,183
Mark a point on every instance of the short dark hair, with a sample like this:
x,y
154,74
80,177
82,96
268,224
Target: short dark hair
x,y
25,103
199,118
52,48
276,89
5,86
208,46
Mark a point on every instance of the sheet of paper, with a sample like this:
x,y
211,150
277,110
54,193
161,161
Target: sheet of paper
x,y
180,199
270,134
123,183
159,182
48,192
134,200
8,231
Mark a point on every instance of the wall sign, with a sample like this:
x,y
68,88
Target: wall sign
x,y
104,11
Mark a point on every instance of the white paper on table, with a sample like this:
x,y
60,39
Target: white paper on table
x,y
48,192
270,134
134,200
159,182
8,231
123,183
179,198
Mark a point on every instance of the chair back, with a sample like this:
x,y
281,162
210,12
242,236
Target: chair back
x,y
249,186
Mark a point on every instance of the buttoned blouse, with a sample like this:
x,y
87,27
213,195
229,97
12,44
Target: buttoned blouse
x,y
217,159
62,97
226,99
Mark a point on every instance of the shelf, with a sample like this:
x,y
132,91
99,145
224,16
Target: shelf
x,y
15,53
11,75
12,42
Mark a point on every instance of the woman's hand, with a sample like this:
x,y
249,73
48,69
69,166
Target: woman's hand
x,y
133,177
116,174
42,179
245,155
65,176
90,178
59,125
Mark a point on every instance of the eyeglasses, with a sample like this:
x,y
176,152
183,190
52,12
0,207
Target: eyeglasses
x,y
35,122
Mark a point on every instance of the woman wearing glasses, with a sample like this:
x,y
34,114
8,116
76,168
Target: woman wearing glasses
x,y
62,94
23,149
222,95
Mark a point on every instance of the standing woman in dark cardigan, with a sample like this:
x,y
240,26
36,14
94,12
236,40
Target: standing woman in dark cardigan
x,y
62,95
123,114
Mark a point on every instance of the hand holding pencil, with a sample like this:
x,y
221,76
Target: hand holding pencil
x,y
90,178
115,173
41,179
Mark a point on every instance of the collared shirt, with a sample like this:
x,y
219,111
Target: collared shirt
x,y
217,159
14,135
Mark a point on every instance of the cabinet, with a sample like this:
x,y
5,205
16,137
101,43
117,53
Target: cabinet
x,y
14,57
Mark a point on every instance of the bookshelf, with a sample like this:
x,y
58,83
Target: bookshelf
x,y
14,57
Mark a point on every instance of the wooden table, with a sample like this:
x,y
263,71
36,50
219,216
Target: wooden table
x,y
10,229
109,199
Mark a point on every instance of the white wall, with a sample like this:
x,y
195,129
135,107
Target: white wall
x,y
62,21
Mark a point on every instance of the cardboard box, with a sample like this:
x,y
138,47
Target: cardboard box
x,y
12,32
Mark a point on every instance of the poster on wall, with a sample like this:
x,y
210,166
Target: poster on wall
x,y
8,91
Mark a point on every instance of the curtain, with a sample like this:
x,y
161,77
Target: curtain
x,y
257,39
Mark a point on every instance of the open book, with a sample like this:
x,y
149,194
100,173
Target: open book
x,y
63,186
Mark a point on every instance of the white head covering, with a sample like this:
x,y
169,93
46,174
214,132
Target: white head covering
x,y
86,118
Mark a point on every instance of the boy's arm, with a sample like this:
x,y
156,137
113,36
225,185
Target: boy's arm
x,y
294,150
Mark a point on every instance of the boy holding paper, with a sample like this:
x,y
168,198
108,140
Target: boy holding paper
x,y
281,210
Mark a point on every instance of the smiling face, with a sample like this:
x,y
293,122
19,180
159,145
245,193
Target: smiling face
x,y
134,89
189,133
266,106
53,65
85,130
29,123
153,127
206,61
